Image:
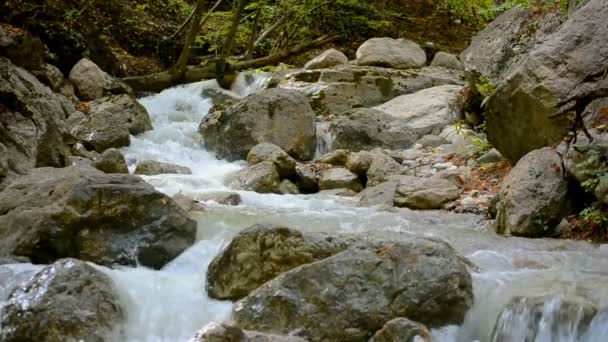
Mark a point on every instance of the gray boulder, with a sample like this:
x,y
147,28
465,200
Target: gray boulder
x,y
262,178
51,76
69,300
221,332
359,162
109,121
533,199
424,193
153,167
92,83
339,178
278,116
336,157
402,330
327,59
430,140
262,252
351,295
285,164
391,53
381,168
527,319
83,213
446,60
32,131
366,129
427,111
111,161
382,195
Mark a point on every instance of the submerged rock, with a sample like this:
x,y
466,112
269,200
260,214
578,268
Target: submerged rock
x,y
351,295
221,197
278,116
221,332
153,167
391,53
66,301
262,177
83,213
262,252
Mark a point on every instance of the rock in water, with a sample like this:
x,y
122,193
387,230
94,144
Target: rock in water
x,y
533,199
262,178
351,295
152,167
327,59
83,213
66,301
221,332
278,116
111,161
424,193
391,53
402,330
262,252
285,164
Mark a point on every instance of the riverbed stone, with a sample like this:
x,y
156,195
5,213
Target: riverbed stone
x,y
338,192
351,295
382,195
402,330
153,167
81,212
391,53
335,157
111,161
222,332
188,203
447,60
68,300
533,198
338,178
262,177
381,168
307,178
424,192
278,116
327,59
359,162
92,83
269,152
262,252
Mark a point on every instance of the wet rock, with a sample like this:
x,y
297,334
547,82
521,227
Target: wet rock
x,y
427,111
222,332
381,168
111,161
359,162
32,131
278,116
552,317
338,192
533,198
262,178
92,83
153,167
327,59
391,53
307,178
188,203
66,301
109,122
221,197
424,193
339,178
288,188
430,140
351,295
83,213
269,152
262,252
402,330
336,157
382,195
446,60
366,129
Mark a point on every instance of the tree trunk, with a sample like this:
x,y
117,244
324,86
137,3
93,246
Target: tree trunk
x,y
221,66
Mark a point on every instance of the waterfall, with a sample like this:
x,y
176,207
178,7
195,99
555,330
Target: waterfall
x,y
324,139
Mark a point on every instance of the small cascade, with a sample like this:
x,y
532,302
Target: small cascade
x,y
324,139
247,83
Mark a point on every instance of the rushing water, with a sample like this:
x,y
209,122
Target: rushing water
x,y
170,304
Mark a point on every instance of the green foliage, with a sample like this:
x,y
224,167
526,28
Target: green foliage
x,y
594,215
483,11
593,170
484,86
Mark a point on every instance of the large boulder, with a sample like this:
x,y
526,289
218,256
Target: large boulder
x,y
92,83
424,193
391,53
428,111
262,252
351,295
345,87
366,129
533,199
109,121
278,116
32,131
527,319
402,330
221,332
521,114
339,178
69,300
153,167
285,164
262,177
83,213
327,59
381,168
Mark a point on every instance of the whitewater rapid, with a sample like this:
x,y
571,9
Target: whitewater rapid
x,y
171,304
